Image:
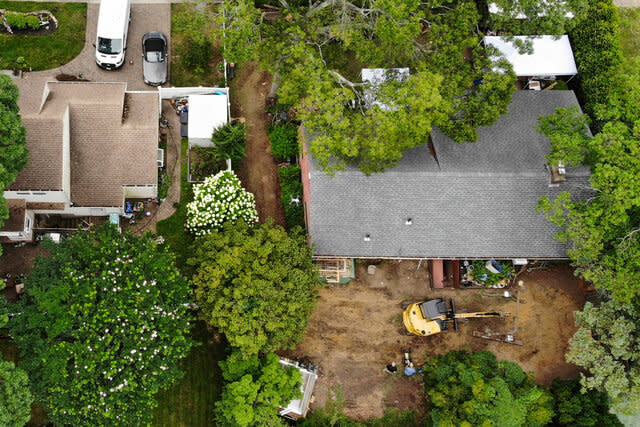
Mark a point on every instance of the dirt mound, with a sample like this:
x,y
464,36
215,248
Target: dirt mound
x,y
355,330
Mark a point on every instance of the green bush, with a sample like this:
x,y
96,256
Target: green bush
x,y
230,141
284,141
573,408
480,269
33,22
16,20
291,188
164,182
596,43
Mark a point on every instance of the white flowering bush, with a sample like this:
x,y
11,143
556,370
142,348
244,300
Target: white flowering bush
x,y
218,199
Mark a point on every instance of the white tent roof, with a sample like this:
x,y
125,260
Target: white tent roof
x,y
206,113
497,10
550,57
376,77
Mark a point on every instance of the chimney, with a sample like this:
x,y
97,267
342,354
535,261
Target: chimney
x,y
558,174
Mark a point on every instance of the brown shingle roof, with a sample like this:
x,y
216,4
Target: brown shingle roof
x,y
106,152
44,168
15,222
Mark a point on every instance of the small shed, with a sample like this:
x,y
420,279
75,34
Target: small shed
x,y
552,56
298,408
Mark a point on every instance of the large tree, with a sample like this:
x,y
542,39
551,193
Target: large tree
x,y
475,389
256,285
603,229
255,388
317,51
607,345
15,396
13,138
573,408
102,326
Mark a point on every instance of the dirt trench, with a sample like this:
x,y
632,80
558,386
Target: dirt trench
x,y
259,171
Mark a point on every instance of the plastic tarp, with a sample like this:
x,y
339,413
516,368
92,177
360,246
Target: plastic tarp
x,y
550,57
206,113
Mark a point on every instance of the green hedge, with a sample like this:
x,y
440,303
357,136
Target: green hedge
x,y
596,44
20,21
291,188
284,141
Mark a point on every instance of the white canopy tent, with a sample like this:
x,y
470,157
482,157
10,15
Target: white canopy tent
x,y
550,57
376,77
494,9
209,108
206,113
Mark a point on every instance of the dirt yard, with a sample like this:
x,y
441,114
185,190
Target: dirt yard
x,y
259,172
356,329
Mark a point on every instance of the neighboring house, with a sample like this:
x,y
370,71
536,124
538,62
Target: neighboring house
x,y
91,146
446,200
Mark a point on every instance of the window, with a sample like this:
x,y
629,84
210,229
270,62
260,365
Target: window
x,y
109,46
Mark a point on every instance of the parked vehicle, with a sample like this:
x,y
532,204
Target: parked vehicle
x,y
154,59
111,39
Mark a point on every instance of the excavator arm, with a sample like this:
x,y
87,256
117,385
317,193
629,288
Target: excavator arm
x,y
480,314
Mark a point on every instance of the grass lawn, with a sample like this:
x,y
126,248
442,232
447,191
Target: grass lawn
x,y
48,51
190,402
630,31
172,228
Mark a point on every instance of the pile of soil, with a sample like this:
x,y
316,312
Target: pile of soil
x,y
356,329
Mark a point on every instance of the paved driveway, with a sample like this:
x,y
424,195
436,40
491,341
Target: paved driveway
x,y
144,18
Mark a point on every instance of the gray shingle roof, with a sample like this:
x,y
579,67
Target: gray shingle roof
x,y
477,201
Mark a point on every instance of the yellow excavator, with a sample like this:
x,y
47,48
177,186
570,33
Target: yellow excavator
x,y
430,317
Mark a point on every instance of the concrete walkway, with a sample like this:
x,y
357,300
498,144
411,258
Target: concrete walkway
x,y
627,3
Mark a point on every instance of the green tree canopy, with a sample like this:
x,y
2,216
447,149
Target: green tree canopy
x,y
15,396
255,389
607,345
573,408
102,327
602,230
475,389
318,49
13,139
256,285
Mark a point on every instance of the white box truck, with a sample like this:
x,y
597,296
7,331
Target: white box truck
x,y
111,39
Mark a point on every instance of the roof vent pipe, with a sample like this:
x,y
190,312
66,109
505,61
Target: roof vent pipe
x,y
367,237
409,221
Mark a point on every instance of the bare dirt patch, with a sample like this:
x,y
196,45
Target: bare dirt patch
x,y
356,329
259,172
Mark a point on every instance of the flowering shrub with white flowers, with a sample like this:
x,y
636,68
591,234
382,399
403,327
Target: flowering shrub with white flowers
x,y
218,199
102,326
